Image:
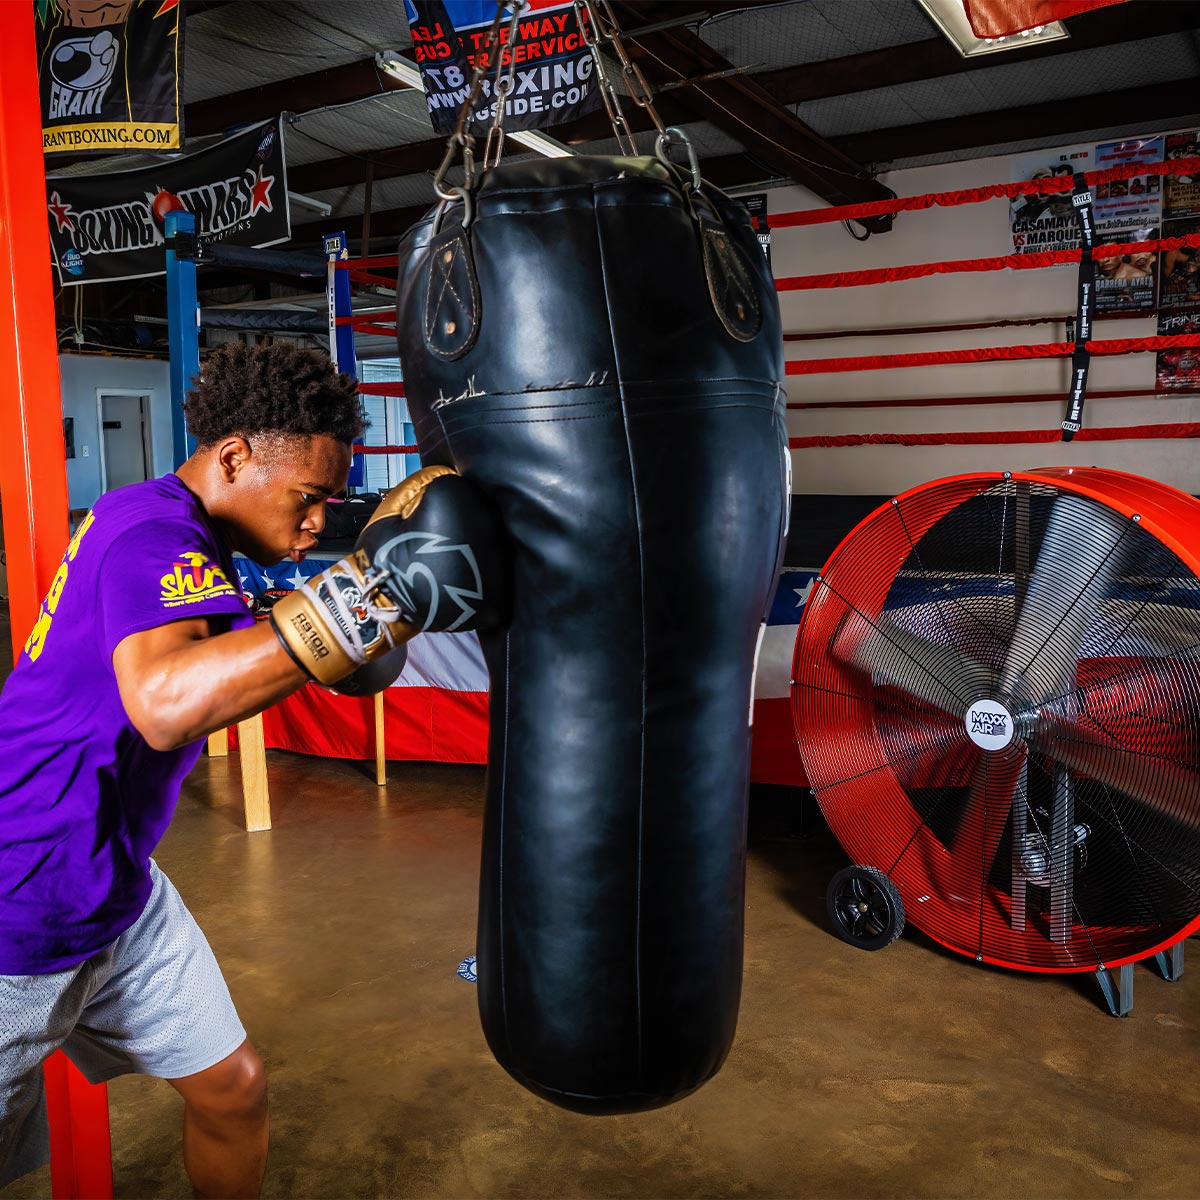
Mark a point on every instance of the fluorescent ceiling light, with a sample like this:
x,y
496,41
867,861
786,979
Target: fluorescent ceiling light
x,y
408,73
311,203
950,16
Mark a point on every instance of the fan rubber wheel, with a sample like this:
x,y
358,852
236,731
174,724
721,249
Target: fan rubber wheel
x,y
864,907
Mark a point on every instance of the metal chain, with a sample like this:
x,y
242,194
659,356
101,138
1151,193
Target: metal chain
x,y
601,29
494,146
598,28
635,81
594,37
460,138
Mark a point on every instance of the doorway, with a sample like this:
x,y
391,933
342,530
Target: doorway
x,y
124,438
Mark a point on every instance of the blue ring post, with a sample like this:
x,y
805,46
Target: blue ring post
x,y
336,247
183,332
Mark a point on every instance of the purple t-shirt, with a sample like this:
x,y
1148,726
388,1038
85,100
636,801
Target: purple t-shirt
x,y
83,799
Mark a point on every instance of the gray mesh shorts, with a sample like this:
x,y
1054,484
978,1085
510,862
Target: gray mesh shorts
x,y
153,1003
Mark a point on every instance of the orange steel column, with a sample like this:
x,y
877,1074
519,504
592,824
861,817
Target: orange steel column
x,y
33,487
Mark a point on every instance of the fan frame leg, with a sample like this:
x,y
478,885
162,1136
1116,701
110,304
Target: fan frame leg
x,y
1118,992
1170,962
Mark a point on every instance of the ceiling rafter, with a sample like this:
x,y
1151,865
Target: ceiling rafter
x,y
936,58
742,108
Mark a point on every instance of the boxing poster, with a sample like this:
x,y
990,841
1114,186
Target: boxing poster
x,y
552,66
109,74
1123,204
756,206
1179,270
1178,370
105,227
1046,222
1126,283
1182,191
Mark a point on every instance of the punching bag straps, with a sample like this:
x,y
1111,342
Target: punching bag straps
x,y
729,276
1081,202
453,307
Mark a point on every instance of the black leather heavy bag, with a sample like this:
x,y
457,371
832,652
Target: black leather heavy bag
x,y
600,353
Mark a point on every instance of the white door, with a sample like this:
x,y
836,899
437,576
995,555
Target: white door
x,y
125,439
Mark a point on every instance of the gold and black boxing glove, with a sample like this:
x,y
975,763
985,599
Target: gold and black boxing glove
x,y
432,558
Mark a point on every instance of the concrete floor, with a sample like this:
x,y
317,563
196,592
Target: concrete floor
x,y
910,1072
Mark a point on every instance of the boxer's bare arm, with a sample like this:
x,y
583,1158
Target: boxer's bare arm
x,y
179,682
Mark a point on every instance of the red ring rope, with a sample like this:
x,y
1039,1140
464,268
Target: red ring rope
x,y
1018,262
929,358
952,401
1031,187
990,437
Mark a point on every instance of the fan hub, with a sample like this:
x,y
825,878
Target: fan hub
x,y
989,724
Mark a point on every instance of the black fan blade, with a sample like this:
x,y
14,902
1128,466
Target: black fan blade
x,y
942,676
1078,560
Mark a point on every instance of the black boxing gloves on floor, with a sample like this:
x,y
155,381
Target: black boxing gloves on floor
x,y
432,557
600,354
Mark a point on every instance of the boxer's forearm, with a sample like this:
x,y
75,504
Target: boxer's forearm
x,y
178,684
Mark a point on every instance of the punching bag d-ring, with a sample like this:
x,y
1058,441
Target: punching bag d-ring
x,y
599,352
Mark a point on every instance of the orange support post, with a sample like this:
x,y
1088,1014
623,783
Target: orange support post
x,y
33,484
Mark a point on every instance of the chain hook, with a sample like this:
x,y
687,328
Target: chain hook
x,y
673,135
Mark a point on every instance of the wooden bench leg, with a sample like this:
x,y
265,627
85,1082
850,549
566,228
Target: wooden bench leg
x,y
218,744
380,743
252,750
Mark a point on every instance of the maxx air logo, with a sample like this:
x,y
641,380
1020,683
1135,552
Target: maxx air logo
x,y
989,725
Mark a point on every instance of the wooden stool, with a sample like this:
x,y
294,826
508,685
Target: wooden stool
x,y
253,754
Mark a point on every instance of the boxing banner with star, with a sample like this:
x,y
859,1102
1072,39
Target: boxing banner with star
x,y
109,75
105,227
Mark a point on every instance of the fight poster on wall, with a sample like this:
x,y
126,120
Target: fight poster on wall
x,y
756,206
1179,270
1182,191
1123,204
552,66
108,72
110,226
1046,222
1126,283
1178,370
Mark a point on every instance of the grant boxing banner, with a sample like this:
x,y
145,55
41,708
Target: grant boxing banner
x,y
108,71
552,66
105,227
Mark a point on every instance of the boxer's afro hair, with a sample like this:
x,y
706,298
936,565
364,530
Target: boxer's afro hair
x,y
277,388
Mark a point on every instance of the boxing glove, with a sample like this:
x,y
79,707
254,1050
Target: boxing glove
x,y
429,559
374,676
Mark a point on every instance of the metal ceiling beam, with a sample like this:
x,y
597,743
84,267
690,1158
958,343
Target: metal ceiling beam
x,y
1151,106
742,108
336,85
928,59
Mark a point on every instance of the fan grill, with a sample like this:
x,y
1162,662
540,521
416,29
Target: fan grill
x,y
998,703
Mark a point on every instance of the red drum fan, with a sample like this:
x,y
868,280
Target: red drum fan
x,y
997,698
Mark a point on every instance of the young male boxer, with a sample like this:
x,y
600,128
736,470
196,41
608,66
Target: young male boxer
x,y
144,646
